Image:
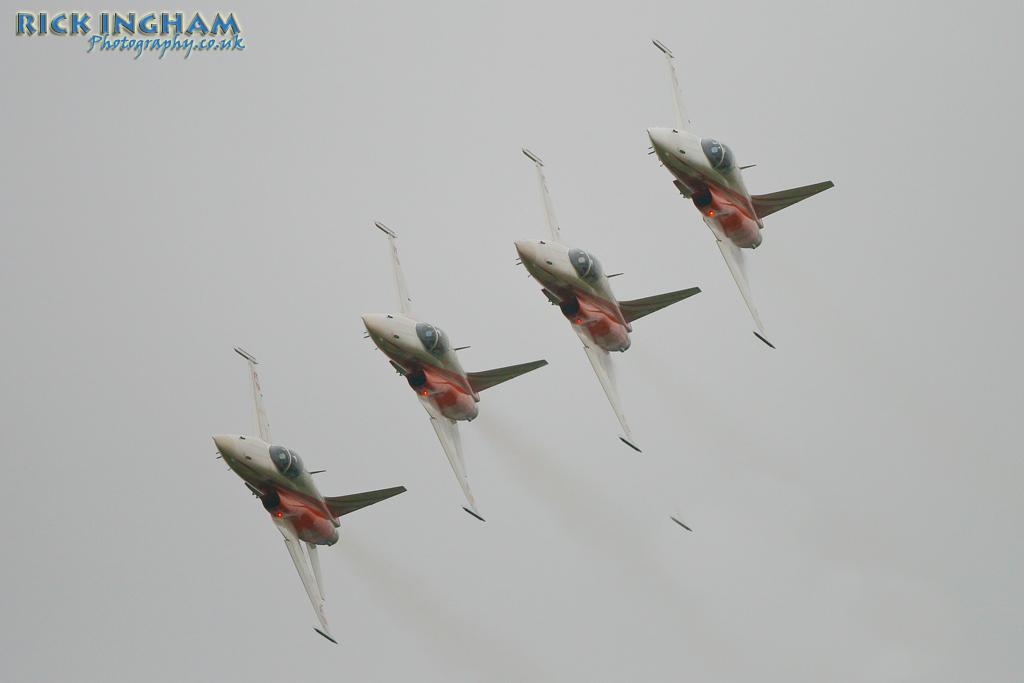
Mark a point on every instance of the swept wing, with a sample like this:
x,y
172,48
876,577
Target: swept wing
x,y
488,378
602,362
545,196
401,291
448,433
682,120
342,505
734,259
259,415
310,581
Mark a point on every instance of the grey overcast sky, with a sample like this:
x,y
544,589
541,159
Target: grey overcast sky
x,y
855,495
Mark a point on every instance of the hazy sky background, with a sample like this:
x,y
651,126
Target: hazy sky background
x,y
855,496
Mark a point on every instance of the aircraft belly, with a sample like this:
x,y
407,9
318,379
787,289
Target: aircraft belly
x,y
448,397
598,325
310,524
743,234
727,218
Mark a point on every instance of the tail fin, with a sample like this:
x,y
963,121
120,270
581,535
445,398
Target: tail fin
x,y
766,204
638,308
342,505
488,378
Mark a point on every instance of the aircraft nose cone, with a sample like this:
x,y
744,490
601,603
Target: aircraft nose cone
x,y
374,323
527,250
659,138
225,444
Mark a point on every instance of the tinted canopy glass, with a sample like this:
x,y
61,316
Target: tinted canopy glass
x,y
587,267
287,462
434,339
718,154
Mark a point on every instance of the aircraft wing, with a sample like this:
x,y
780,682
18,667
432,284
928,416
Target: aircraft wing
x,y
259,415
734,259
401,291
682,120
602,362
309,581
342,505
448,434
545,197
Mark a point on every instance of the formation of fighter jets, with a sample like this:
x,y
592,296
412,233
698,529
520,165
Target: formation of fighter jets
x,y
704,170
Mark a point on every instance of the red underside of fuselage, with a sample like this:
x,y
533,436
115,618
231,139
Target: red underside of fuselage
x,y
310,523
731,218
449,397
600,325
728,209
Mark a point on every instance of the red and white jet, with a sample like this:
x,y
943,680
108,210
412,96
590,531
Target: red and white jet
x,y
574,281
278,478
421,353
706,172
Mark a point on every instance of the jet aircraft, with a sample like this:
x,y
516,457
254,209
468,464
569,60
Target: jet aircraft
x,y
706,172
277,477
422,354
574,281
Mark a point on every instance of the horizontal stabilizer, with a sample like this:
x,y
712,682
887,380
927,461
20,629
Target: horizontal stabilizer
x,y
342,505
638,308
488,378
767,204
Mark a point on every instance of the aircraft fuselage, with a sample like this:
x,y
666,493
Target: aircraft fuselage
x,y
586,300
706,173
422,354
289,495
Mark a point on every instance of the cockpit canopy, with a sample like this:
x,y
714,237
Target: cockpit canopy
x,y
587,267
718,154
287,462
434,339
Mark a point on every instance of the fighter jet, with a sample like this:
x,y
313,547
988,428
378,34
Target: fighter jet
x,y
574,281
276,476
706,172
421,353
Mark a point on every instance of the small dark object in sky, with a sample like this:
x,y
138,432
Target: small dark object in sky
x,y
680,523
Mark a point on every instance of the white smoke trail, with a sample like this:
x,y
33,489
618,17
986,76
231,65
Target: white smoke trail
x,y
460,643
606,525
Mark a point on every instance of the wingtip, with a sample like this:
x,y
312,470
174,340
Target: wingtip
x,y
680,524
473,513
661,47
325,635
533,156
245,355
763,339
630,444
386,229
